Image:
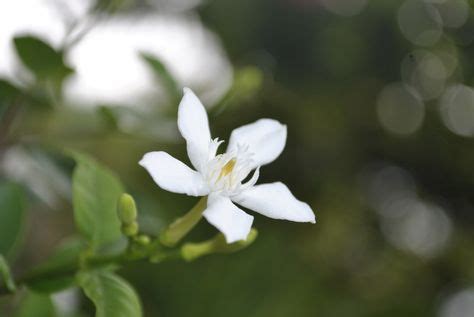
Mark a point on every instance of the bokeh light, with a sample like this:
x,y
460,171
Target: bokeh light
x,y
425,73
454,13
408,222
399,109
420,22
420,227
386,184
460,304
457,109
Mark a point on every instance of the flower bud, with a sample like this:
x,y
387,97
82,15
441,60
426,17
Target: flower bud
x,y
130,229
126,209
143,239
192,251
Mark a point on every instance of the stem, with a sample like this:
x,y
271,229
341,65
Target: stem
x,y
94,262
181,226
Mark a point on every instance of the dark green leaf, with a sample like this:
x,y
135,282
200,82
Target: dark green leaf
x,y
39,57
108,117
13,96
164,75
96,190
111,295
5,274
36,305
8,95
8,92
12,214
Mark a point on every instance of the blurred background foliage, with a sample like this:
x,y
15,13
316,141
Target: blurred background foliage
x,y
378,100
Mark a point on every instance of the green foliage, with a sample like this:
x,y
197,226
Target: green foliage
x,y
8,94
6,275
65,256
111,295
108,117
40,58
12,214
96,191
168,81
36,305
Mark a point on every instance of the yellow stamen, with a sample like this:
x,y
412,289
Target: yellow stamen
x,y
227,168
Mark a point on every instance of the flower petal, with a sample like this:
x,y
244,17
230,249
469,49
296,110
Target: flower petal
x,y
233,222
265,138
194,127
173,175
275,201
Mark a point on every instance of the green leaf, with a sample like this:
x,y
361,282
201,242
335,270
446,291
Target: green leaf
x,y
96,191
67,255
12,214
8,95
164,75
39,57
108,117
11,96
36,305
111,295
6,275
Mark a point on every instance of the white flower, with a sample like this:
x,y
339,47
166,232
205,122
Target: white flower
x,y
221,177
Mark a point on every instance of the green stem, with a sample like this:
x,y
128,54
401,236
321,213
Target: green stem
x,y
181,226
93,262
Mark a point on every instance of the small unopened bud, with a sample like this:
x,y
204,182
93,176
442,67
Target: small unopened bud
x,y
192,251
127,210
130,229
143,239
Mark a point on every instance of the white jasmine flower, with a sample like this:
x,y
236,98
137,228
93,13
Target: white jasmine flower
x,y
221,176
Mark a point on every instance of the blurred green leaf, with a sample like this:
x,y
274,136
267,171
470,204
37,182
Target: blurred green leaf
x,y
39,57
8,94
170,84
67,254
12,214
36,305
96,190
6,274
109,117
111,295
248,81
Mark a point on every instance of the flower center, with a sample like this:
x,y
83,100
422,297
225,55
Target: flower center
x,y
228,168
225,172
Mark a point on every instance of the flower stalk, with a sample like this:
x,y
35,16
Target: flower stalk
x,y
181,226
192,251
